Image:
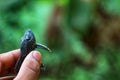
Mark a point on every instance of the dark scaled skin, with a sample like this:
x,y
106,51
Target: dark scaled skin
x,y
28,44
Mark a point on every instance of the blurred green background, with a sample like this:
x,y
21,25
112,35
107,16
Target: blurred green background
x,y
84,35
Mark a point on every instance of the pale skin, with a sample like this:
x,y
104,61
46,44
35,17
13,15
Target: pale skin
x,y
29,70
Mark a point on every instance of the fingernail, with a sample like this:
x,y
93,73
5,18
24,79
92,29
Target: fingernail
x,y
36,55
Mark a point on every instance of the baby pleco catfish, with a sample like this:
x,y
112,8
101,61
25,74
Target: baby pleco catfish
x,y
28,44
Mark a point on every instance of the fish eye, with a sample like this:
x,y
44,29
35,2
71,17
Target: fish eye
x,y
28,39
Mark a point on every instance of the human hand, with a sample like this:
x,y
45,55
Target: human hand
x,y
29,70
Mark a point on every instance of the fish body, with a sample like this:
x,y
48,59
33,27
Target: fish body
x,y
28,44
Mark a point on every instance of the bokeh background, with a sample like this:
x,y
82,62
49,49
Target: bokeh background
x,y
84,35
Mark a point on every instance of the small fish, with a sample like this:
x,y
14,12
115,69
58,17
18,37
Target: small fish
x,y
28,44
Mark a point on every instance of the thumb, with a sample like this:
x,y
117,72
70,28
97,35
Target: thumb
x,y
31,67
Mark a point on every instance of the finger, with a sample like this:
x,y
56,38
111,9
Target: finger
x,y
31,67
7,78
8,59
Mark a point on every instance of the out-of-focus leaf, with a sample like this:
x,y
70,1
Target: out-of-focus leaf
x,y
81,14
80,74
111,6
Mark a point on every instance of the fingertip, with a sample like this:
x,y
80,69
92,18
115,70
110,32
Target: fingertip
x,y
30,66
36,55
15,53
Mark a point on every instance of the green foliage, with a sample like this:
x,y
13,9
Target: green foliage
x,y
111,6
